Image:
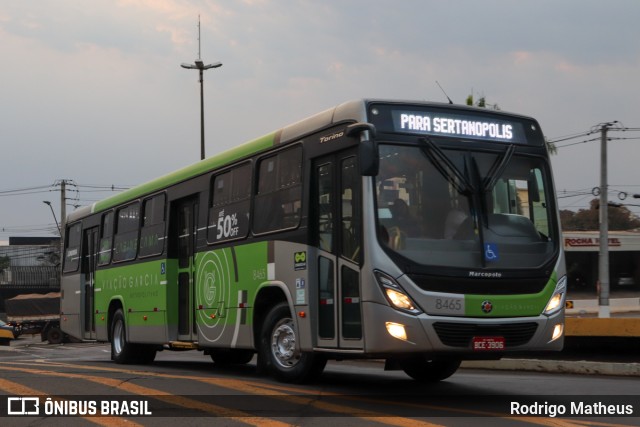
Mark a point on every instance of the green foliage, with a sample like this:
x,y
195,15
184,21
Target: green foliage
x,y
481,103
470,100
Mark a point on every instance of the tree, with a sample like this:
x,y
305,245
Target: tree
x,y
620,218
482,103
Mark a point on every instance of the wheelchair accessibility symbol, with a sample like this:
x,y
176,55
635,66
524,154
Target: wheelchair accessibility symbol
x,y
491,252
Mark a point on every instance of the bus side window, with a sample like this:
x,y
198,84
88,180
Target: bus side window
x,y
106,239
153,226
72,248
229,204
125,241
279,199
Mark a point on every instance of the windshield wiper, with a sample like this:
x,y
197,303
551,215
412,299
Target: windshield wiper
x,y
497,168
446,167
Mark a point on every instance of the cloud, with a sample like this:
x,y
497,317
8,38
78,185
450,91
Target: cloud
x,y
98,95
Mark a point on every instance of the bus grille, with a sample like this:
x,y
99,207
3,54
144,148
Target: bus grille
x,y
460,334
462,285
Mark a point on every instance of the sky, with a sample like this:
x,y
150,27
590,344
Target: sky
x,y
94,93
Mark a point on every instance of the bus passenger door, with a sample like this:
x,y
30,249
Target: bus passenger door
x,y
184,217
88,273
337,218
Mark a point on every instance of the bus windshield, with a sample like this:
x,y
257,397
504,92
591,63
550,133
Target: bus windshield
x,y
465,209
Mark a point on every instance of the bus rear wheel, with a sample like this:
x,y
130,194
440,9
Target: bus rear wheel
x,y
423,369
278,348
124,352
121,351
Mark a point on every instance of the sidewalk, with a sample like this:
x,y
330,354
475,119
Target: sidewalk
x,y
581,367
583,355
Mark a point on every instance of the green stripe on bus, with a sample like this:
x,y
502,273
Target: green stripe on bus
x,y
510,305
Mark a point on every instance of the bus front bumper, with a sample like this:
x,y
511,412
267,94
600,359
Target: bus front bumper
x,y
389,331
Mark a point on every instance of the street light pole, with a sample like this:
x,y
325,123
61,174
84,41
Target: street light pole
x,y
199,65
48,203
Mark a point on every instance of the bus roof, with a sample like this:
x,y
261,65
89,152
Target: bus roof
x,y
351,111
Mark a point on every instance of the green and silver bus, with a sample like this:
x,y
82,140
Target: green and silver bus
x,y
420,233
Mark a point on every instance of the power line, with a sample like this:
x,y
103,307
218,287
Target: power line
x,y
568,137
576,143
593,130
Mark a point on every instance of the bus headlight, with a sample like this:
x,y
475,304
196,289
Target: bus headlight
x,y
556,302
394,293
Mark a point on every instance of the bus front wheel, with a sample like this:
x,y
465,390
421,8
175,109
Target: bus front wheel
x,y
278,348
423,369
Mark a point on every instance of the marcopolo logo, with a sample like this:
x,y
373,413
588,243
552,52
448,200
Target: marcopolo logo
x,y
487,306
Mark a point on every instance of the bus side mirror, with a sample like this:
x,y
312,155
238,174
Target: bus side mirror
x,y
368,155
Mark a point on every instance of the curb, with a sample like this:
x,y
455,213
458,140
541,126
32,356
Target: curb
x,y
581,367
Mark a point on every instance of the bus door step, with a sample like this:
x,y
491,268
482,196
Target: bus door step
x,y
183,345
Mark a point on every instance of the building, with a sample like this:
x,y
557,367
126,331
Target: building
x,y
582,252
29,265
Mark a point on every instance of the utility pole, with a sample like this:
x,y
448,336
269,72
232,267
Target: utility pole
x,y
63,183
604,310
63,212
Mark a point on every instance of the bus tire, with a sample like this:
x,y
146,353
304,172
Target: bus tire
x,y
225,357
122,352
279,351
423,369
54,335
145,354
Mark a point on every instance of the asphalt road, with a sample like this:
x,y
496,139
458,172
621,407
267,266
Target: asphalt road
x,y
186,388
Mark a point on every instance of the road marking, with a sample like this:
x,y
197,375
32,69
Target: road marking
x,y
267,390
166,397
285,392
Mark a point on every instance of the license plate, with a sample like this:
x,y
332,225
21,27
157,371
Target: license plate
x,y
488,343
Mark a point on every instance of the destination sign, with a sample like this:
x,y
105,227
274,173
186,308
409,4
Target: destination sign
x,y
440,123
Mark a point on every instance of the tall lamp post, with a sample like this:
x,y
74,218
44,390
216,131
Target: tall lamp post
x,y
199,65
48,203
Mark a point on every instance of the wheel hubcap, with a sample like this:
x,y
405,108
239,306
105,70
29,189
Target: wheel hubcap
x,y
283,344
118,338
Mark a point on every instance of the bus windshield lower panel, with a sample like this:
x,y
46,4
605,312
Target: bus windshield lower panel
x,y
466,209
